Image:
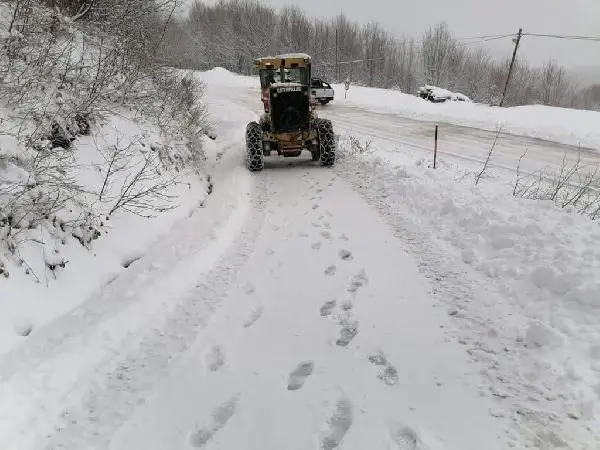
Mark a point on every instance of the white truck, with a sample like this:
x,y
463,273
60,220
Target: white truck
x,y
322,91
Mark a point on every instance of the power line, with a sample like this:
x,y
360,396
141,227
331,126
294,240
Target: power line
x,y
568,37
493,37
490,38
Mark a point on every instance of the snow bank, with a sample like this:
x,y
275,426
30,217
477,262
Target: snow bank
x,y
55,268
520,276
568,126
91,170
222,77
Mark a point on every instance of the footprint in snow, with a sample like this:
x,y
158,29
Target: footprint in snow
x,y
299,375
387,372
326,234
338,424
346,306
328,307
254,316
348,332
220,416
330,270
358,281
345,255
316,246
302,234
215,359
403,437
315,206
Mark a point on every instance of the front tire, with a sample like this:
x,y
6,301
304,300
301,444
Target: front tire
x,y
254,147
326,142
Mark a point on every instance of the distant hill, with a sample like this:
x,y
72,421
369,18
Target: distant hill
x,y
586,76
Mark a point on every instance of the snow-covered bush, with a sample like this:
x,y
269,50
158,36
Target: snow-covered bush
x,y
64,73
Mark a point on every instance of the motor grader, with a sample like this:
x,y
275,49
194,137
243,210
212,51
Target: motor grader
x,y
289,124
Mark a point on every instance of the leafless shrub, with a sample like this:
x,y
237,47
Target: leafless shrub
x,y
489,156
356,146
574,186
518,176
135,181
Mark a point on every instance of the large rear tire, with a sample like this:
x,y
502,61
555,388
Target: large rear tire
x,y
326,142
254,147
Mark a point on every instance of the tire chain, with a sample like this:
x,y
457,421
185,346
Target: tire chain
x,y
254,148
326,142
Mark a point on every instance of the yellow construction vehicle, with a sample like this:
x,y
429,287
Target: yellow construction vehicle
x,y
289,123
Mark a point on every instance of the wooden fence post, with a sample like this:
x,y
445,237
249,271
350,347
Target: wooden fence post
x,y
435,148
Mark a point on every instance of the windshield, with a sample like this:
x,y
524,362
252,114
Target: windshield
x,y
295,75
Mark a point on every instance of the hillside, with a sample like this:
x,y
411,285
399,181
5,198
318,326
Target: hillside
x,y
94,165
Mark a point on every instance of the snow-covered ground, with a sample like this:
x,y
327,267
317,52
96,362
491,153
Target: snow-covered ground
x,y
90,176
380,304
33,293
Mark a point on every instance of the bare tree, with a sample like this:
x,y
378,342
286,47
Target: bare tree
x,y
553,83
475,75
437,47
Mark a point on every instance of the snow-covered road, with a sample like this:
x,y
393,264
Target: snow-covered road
x,y
314,327
466,144
309,308
328,333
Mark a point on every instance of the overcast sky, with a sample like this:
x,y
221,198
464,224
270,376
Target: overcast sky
x,y
469,18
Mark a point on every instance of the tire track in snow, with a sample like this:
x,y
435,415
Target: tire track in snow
x,y
121,384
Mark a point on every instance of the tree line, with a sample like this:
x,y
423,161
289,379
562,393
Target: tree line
x,y
231,33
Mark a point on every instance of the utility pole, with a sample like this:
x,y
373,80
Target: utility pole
x,y
337,70
512,63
